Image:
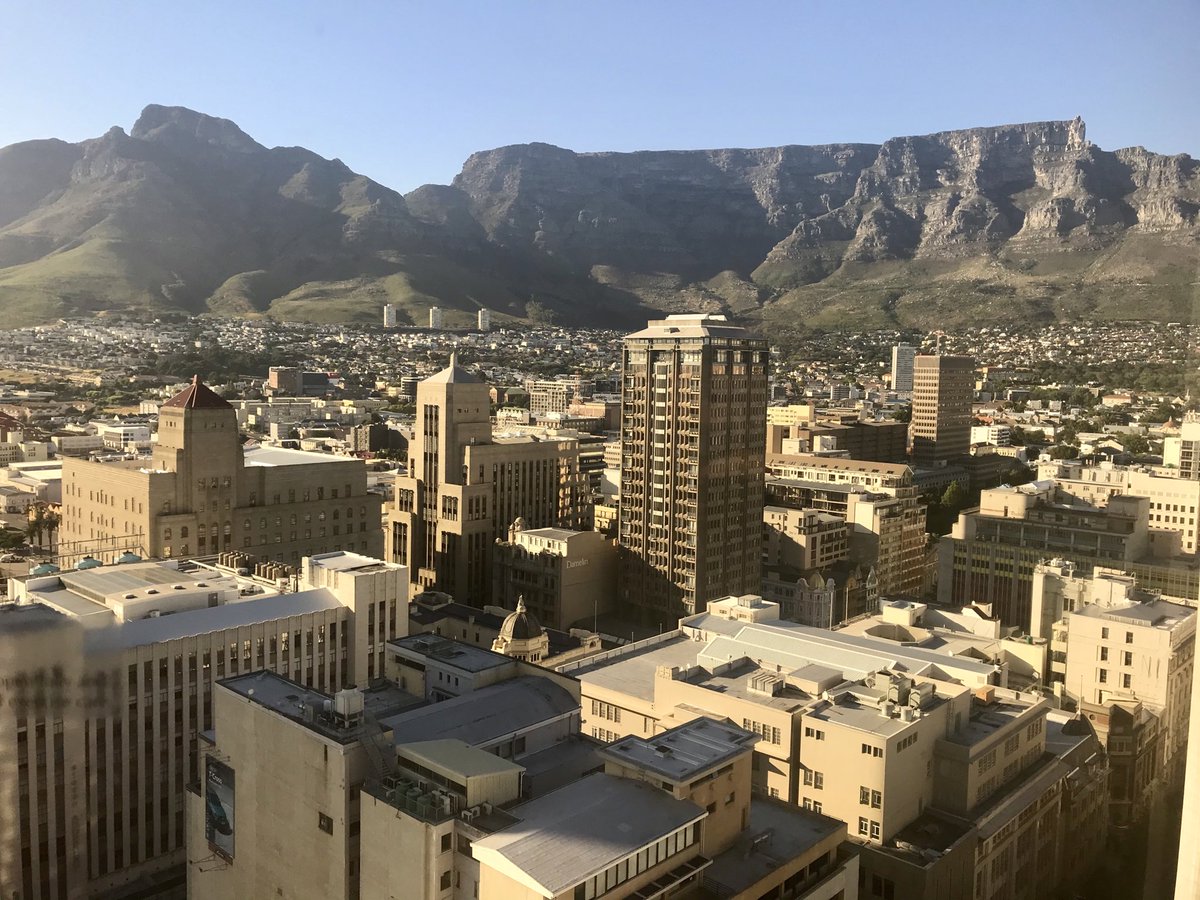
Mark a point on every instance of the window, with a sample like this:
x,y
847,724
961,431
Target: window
x,y
1104,634
1102,676
875,830
445,880
1103,654
447,840
1129,637
1127,681
1127,658
814,779
877,752
863,825
815,733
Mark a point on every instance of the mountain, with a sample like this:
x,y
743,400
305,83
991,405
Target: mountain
x,y
187,212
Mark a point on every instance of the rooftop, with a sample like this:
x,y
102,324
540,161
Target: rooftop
x,y
197,395
1154,614
465,657
776,834
565,837
485,714
456,759
280,456
293,701
684,752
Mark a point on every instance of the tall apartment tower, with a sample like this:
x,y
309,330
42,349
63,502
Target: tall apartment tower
x,y
943,387
902,368
389,315
484,320
436,318
693,433
464,487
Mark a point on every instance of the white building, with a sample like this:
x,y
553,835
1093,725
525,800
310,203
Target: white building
x,y
484,320
389,316
436,318
902,368
1000,435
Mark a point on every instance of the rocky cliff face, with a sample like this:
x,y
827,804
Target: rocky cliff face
x,y
793,215
187,211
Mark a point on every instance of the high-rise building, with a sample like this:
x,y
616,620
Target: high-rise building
x,y
484,320
108,677
389,315
1182,452
902,368
943,387
1187,877
464,488
202,493
693,432
436,318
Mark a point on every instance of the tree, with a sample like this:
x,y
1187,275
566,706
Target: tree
x,y
903,413
36,525
52,521
1134,443
11,539
1064,451
954,497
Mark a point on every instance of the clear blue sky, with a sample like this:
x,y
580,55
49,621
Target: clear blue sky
x,y
403,91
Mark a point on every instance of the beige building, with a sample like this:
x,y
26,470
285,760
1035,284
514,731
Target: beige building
x,y
407,808
692,438
566,578
884,516
1182,452
1172,516
109,673
942,391
803,538
880,734
464,488
201,493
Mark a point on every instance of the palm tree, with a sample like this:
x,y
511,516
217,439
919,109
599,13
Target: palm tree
x,y
52,521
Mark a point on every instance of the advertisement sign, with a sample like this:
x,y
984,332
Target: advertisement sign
x,y
218,807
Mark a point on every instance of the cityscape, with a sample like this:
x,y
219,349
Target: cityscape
x,y
746,477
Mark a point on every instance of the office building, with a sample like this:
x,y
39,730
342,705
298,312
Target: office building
x,y
692,436
903,356
465,487
110,671
428,801
389,315
566,578
915,748
201,493
1181,452
551,396
1172,517
990,554
1187,875
884,517
943,388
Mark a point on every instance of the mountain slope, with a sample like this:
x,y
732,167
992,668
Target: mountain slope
x,y
187,212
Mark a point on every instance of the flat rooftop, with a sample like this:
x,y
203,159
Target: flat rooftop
x,y
280,456
986,720
554,534
632,672
776,834
485,714
571,834
343,561
1154,614
466,657
685,752
290,699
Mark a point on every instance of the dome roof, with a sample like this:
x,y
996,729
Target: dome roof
x,y
520,625
128,557
44,569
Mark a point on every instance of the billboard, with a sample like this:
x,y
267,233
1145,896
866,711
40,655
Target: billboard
x,y
218,807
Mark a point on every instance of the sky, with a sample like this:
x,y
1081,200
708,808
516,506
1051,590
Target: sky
x,y
403,92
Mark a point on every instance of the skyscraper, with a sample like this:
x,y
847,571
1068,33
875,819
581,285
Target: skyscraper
x,y
484,320
693,431
389,315
902,367
436,319
943,387
464,488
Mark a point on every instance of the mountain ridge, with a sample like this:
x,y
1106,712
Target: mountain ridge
x,y
188,212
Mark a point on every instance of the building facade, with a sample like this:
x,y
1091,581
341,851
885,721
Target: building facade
x,y
903,356
943,388
464,488
110,672
201,493
692,437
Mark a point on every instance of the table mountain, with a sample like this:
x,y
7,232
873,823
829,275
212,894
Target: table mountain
x,y
187,212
